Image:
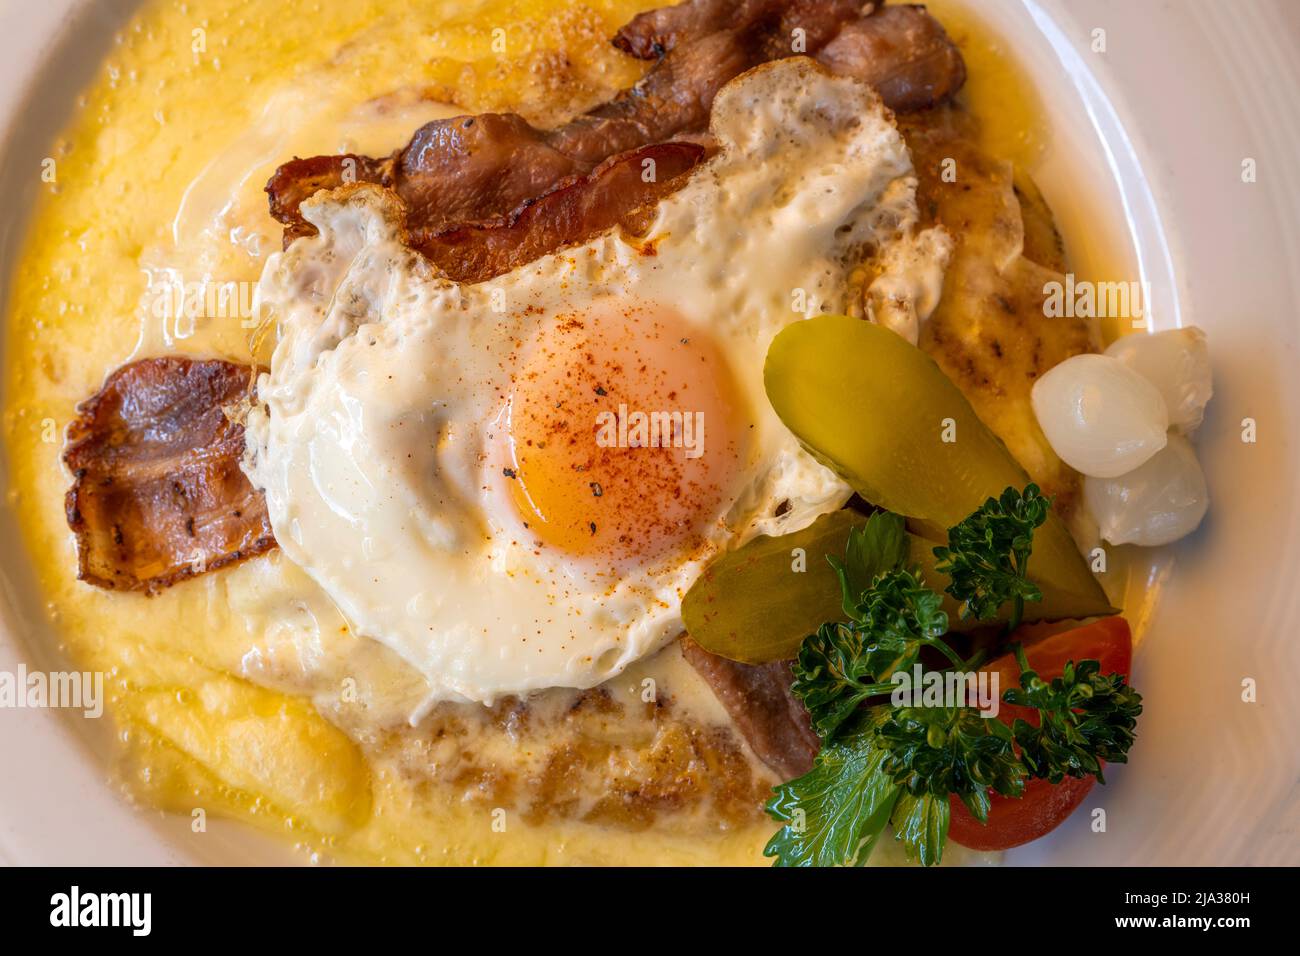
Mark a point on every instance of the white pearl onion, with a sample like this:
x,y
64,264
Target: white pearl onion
x,y
1101,417
1177,363
1155,504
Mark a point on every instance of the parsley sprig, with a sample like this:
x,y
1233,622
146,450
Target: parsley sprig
x,y
1085,719
843,665
882,764
943,750
987,556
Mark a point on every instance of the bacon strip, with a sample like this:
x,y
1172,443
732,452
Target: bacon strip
x,y
903,52
759,702
677,95
572,212
455,170
300,179
470,168
650,35
158,495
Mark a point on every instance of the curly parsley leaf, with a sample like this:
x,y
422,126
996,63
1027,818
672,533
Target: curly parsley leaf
x,y
843,665
831,676
988,554
835,813
876,547
1085,719
952,750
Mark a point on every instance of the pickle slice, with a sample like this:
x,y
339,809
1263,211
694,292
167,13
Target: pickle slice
x,y
753,604
757,603
880,413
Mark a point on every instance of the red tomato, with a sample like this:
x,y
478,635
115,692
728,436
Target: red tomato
x,y
1013,822
1044,806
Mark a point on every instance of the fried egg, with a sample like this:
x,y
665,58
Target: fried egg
x,y
512,484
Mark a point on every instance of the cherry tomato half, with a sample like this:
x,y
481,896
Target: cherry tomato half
x,y
1044,806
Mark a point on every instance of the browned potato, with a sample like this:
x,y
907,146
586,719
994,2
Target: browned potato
x,y
989,333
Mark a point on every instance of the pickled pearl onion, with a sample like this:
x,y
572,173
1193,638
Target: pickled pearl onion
x,y
1101,417
1158,503
1177,363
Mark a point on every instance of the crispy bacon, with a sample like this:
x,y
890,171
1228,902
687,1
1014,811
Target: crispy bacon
x,y
677,95
759,702
470,168
301,179
674,97
475,167
649,35
575,210
903,52
158,495
652,34
465,168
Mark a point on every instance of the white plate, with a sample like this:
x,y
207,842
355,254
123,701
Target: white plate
x,y
1156,128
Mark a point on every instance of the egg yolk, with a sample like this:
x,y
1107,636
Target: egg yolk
x,y
623,435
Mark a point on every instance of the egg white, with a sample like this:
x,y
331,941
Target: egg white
x,y
374,440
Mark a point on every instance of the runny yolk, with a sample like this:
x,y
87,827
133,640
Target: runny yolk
x,y
624,435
